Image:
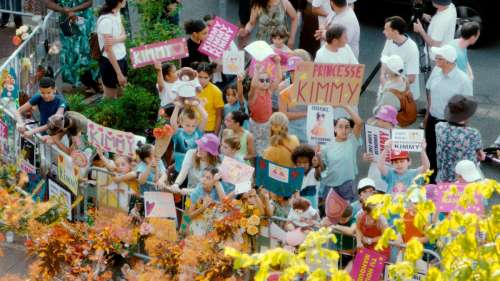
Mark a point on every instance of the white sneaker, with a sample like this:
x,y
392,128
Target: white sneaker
x,y
11,24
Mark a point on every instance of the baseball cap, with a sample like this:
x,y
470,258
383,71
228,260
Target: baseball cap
x,y
468,171
365,183
399,154
447,52
394,63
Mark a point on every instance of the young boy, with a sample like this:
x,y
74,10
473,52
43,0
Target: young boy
x,y
400,174
49,103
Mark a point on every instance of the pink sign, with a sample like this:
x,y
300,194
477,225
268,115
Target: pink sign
x,y
220,36
368,266
160,51
4,131
269,64
110,140
446,202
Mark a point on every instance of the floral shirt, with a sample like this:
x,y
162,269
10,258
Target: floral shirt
x,y
453,145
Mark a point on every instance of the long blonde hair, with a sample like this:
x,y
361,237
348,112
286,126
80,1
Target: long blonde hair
x,y
280,119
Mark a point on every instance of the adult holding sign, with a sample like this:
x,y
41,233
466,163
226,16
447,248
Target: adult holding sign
x,y
198,31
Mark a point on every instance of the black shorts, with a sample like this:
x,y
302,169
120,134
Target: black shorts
x,y
108,74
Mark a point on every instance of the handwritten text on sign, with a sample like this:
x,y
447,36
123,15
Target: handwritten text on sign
x,y
368,265
329,84
160,51
375,140
220,36
109,140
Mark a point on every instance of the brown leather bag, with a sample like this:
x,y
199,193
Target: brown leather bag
x,y
408,113
95,50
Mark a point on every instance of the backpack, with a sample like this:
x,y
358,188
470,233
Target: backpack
x,y
408,113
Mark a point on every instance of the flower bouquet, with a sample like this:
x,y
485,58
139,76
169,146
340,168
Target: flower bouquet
x,y
22,33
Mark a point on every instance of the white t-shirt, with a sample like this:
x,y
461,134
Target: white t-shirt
x,y
325,6
408,51
167,95
442,25
348,19
111,24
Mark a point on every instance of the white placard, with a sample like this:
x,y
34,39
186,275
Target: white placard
x,y
259,50
242,187
159,205
56,190
233,62
407,139
375,140
319,124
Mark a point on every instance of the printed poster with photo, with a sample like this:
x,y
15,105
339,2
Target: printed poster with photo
x,y
8,135
319,124
280,180
28,148
55,190
9,85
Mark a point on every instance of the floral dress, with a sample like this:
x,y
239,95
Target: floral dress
x,y
454,143
269,19
75,50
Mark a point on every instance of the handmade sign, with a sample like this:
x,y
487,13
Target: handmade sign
x,y
28,163
446,202
280,180
234,171
368,265
220,36
9,85
319,124
55,190
160,51
37,187
110,140
329,84
4,139
269,64
259,50
159,205
233,62
242,187
115,195
7,144
375,141
67,173
407,139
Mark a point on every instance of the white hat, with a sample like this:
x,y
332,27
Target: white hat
x,y
366,182
447,52
468,171
416,197
394,63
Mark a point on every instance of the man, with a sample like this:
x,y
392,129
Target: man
x,y
469,33
442,25
398,43
343,15
322,9
446,80
16,6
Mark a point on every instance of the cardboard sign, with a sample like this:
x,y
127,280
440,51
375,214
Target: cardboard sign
x,y
233,62
375,141
220,36
328,84
280,180
319,124
234,171
160,51
67,173
110,140
159,205
28,164
368,265
55,190
446,202
407,139
259,50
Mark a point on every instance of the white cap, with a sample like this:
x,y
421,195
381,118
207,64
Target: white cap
x,y
468,171
394,63
365,182
447,52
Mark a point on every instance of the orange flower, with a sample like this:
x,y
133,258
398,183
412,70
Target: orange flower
x,y
252,230
165,131
254,220
16,40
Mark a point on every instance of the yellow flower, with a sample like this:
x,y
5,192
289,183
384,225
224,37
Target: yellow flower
x,y
414,250
252,230
254,220
244,222
401,271
383,242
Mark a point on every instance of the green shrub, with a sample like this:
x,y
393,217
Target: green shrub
x,y
138,110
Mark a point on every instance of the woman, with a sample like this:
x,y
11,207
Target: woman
x,y
197,31
392,79
268,15
339,157
281,143
455,141
75,52
234,128
112,37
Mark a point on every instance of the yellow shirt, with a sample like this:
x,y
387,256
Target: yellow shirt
x,y
282,154
211,95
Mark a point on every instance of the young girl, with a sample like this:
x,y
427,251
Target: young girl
x,y
302,215
281,143
165,78
198,31
189,132
230,147
197,160
235,100
305,157
211,96
234,122
369,230
260,104
150,170
278,37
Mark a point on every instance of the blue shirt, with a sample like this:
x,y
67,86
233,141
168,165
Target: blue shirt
x,y
141,168
462,60
229,108
392,178
199,193
182,143
340,161
47,109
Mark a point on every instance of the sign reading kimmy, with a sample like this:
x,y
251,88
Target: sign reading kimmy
x,y
407,139
328,84
110,140
160,51
220,36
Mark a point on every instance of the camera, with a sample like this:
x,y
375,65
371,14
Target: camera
x,y
417,11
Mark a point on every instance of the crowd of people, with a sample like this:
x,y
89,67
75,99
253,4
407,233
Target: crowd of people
x,y
214,115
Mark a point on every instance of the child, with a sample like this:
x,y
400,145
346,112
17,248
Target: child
x,y
400,174
366,188
205,196
49,103
305,157
369,230
260,104
150,170
211,96
235,100
189,132
278,37
302,215
234,122
345,231
165,78
230,147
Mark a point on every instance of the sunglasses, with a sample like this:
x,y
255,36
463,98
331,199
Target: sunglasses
x,y
266,80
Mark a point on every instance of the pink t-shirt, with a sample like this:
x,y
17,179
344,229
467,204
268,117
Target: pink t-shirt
x,y
261,108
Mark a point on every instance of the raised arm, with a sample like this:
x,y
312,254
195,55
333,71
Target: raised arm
x,y
204,117
239,89
159,76
358,122
381,160
426,164
294,22
279,74
175,115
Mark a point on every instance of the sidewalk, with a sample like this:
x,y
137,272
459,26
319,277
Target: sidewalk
x,y
14,259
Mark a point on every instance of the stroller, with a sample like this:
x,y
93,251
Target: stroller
x,y
493,153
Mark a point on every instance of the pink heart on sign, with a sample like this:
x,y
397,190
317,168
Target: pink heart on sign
x,y
149,207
